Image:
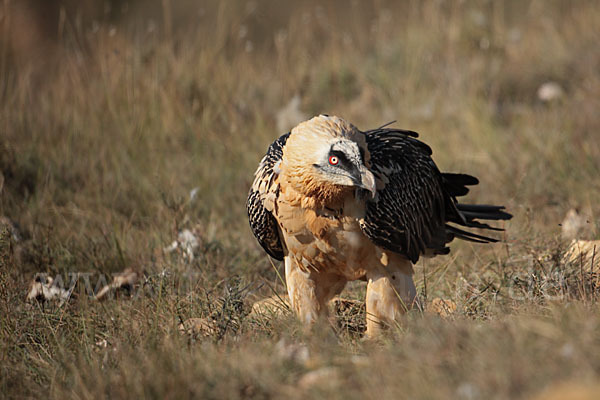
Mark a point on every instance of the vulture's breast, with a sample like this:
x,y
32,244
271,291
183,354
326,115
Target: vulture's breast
x,y
328,239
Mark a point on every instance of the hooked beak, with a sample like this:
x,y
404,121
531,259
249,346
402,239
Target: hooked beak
x,y
367,180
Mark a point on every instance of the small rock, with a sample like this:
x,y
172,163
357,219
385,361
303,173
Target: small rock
x,y
197,327
549,91
584,252
573,225
325,376
290,115
515,35
271,306
441,307
360,361
467,391
297,352
567,350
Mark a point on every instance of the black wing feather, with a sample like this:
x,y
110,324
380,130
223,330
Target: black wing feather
x,y
409,212
410,215
262,222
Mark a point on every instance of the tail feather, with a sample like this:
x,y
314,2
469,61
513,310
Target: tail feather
x,y
483,211
469,215
456,184
470,236
460,179
479,225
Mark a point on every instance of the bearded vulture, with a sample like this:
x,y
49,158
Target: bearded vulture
x,y
337,204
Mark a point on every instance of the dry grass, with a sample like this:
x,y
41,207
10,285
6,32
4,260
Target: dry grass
x,y
104,138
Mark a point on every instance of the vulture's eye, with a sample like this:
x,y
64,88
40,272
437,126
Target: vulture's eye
x,y
333,160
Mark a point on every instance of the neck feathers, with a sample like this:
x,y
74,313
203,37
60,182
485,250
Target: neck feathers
x,y
307,191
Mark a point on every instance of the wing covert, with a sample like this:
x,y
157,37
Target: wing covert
x,y
407,215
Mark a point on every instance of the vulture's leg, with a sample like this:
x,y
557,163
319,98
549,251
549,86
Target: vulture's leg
x,y
391,292
310,291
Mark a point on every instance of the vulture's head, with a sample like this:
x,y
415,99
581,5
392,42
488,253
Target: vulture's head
x,y
327,155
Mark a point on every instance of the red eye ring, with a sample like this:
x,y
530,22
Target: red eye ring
x,y
333,160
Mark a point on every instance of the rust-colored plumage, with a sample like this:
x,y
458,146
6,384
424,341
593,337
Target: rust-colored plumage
x,y
338,204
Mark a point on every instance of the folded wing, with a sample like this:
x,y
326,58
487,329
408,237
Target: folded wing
x,y
412,212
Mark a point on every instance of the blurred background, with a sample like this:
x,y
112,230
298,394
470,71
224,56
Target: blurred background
x,y
111,108
127,124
